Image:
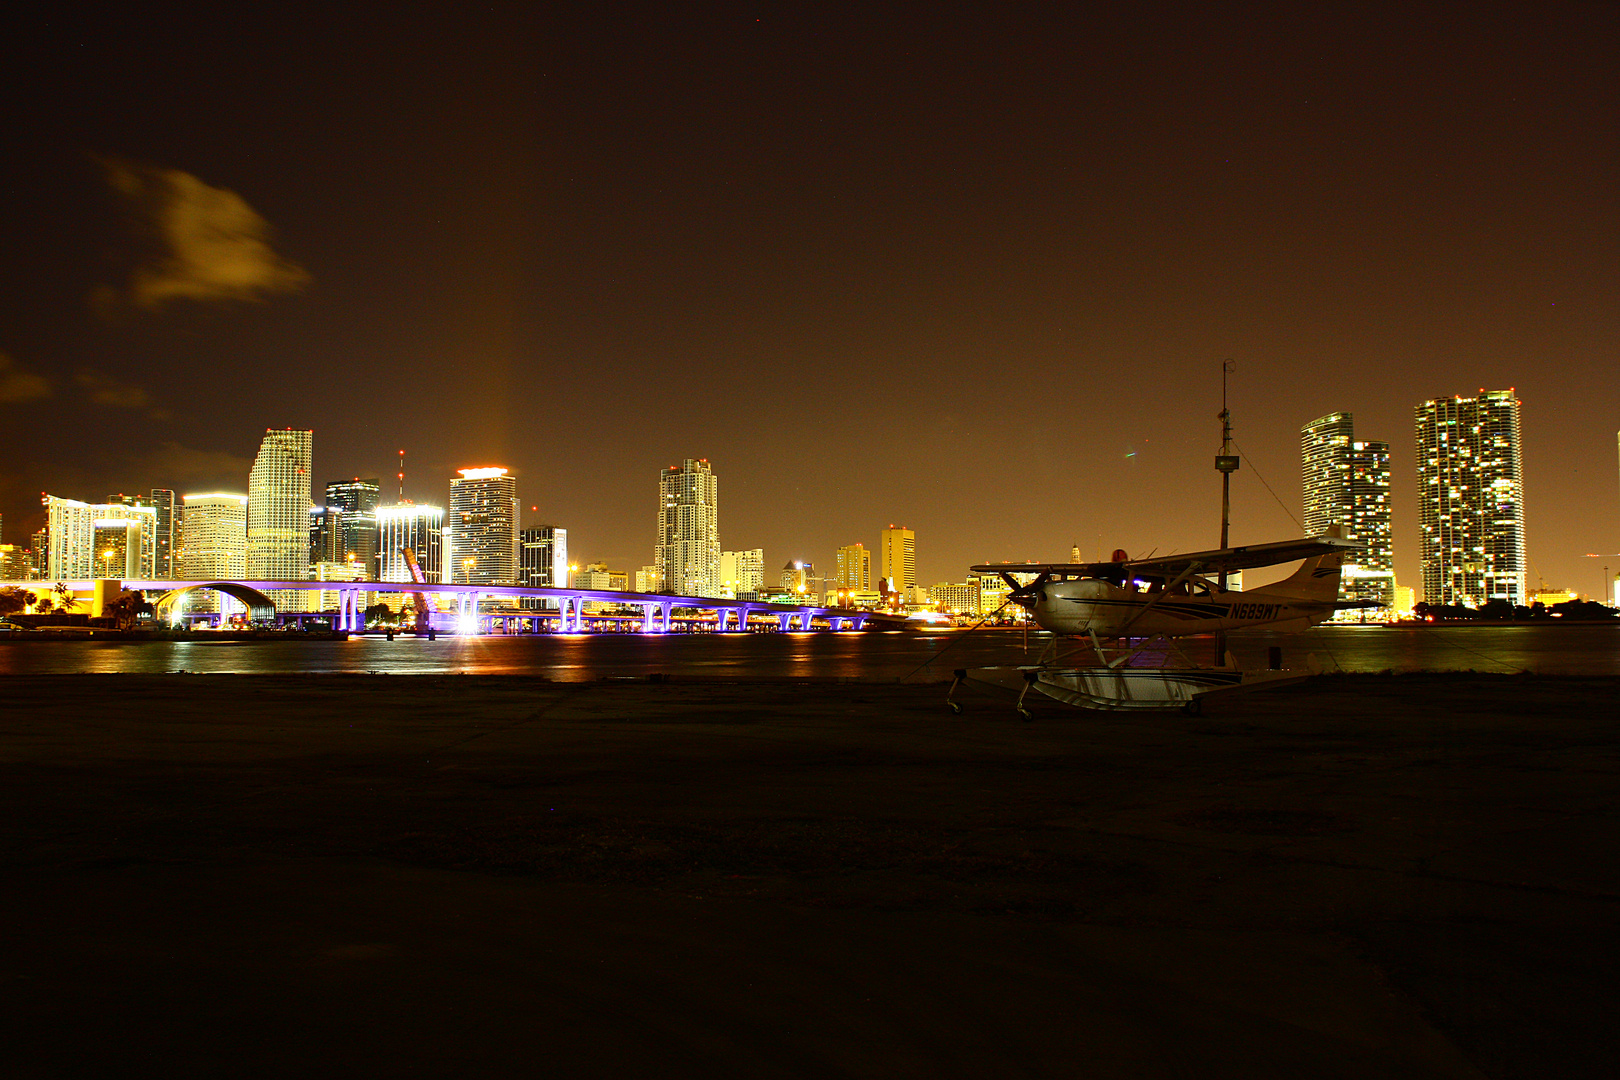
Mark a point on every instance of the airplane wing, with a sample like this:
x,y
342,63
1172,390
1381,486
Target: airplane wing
x,y
1247,557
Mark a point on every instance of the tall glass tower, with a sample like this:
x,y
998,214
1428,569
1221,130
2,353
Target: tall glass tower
x,y
1471,499
1347,484
687,555
483,528
897,558
278,513
358,499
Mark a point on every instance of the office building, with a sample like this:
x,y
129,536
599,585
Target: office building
x,y
358,499
483,525
897,558
742,573
796,577
854,568
1471,499
1346,485
688,550
956,598
326,540
278,513
167,539
215,527
418,527
542,563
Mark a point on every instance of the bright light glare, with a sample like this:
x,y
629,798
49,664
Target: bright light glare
x,y
467,624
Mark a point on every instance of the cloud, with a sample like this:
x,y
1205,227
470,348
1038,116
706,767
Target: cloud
x,y
106,390
186,469
19,385
214,245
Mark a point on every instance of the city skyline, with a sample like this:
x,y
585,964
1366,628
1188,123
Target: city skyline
x,y
1016,253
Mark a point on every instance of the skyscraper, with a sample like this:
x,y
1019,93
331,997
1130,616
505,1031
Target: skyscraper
x,y
542,562
278,513
484,527
1346,484
688,550
358,500
742,573
167,528
897,557
216,544
1471,499
410,525
326,535
854,568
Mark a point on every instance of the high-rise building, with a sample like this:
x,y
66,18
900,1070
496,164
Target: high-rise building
x,y
897,557
358,499
278,513
1346,484
325,536
742,573
137,554
1471,499
167,541
854,568
484,527
542,562
216,544
418,527
70,533
796,577
688,550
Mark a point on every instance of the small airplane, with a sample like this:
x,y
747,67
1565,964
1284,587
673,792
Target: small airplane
x,y
1174,596
1140,604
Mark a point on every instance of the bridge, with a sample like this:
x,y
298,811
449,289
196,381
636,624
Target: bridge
x,y
657,608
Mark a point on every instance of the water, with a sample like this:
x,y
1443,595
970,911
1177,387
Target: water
x,y
876,656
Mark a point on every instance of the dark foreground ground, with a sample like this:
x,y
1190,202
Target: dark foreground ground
x,y
280,876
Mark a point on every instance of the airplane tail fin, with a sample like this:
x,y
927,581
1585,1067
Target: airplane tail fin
x,y
1317,579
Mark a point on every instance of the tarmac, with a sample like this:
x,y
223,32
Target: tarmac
x,y
1391,876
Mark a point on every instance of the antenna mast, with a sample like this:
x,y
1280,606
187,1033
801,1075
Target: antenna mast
x,y
1226,464
402,478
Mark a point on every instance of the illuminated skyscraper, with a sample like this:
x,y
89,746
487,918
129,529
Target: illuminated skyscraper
x,y
688,550
1346,484
70,532
1471,499
484,528
168,521
278,513
358,500
742,573
325,535
216,544
410,525
897,557
542,563
854,569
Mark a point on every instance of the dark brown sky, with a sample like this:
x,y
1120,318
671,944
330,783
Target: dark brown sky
x,y
976,276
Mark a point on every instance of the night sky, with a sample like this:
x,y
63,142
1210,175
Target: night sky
x,y
972,276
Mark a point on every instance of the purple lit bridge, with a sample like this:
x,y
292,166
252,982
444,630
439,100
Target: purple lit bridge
x,y
570,614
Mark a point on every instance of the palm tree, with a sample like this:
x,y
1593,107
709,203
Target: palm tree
x,y
65,600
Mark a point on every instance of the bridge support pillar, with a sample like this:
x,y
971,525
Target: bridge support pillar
x,y
668,608
859,621
782,622
742,620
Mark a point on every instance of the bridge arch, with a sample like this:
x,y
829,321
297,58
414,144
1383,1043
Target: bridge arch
x,y
260,607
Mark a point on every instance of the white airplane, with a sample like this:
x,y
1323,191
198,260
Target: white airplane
x,y
1149,600
1174,596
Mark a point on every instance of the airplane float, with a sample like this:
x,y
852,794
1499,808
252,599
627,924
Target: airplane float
x,y
1138,606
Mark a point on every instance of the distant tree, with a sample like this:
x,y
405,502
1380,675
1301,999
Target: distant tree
x,y
377,614
1583,611
13,600
65,600
1421,610
1497,609
42,603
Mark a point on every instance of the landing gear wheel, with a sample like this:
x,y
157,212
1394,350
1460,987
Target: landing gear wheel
x,y
954,707
1025,713
1194,707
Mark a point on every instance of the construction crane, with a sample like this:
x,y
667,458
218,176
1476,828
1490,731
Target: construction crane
x,y
424,624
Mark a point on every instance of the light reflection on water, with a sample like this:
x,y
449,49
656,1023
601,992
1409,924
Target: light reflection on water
x,y
884,656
